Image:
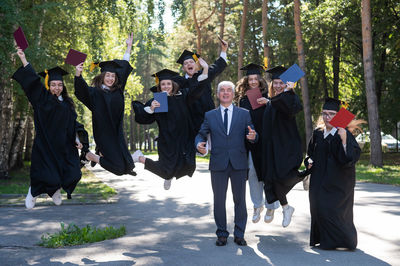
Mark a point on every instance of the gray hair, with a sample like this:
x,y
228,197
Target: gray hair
x,y
226,83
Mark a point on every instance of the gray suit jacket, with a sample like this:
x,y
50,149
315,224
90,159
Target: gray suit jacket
x,y
225,147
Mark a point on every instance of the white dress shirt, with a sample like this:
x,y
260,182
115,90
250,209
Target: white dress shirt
x,y
230,112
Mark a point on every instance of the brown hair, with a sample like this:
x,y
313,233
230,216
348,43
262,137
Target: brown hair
x,y
175,88
98,80
243,85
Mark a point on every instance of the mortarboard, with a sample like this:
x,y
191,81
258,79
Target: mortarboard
x,y
164,74
331,104
187,55
55,73
276,71
252,69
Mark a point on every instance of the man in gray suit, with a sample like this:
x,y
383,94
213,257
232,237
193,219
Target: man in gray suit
x,y
229,127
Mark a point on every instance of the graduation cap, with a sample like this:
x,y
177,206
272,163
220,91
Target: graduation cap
x,y
252,69
332,104
56,73
276,71
105,66
164,74
187,55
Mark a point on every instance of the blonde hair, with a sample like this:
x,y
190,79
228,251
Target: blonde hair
x,y
354,126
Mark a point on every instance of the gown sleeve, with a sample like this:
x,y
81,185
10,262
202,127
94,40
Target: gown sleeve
x,y
141,116
31,84
124,71
83,91
215,69
287,103
349,157
82,135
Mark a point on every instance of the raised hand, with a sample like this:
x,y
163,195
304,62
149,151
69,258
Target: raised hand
x,y
201,147
343,134
154,104
21,56
79,69
224,45
262,100
290,85
252,134
129,41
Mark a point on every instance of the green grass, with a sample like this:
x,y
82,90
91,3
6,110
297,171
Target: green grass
x,y
89,183
72,235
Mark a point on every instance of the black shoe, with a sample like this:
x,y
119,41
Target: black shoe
x,y
132,173
221,241
240,241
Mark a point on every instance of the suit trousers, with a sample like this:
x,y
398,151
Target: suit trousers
x,y
219,182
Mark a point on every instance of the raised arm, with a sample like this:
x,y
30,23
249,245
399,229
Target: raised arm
x,y
82,89
30,82
219,64
141,115
287,103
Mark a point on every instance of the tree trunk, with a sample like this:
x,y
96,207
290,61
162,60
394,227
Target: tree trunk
x,y
241,40
324,82
372,103
302,63
29,138
18,135
380,81
222,26
132,131
267,57
336,64
6,121
197,26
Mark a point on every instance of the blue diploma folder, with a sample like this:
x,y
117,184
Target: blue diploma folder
x,y
293,74
162,98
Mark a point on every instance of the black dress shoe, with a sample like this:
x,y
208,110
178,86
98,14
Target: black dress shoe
x,y
221,241
240,241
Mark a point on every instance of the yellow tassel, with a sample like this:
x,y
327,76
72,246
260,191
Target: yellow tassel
x,y
344,105
295,84
265,63
93,65
157,79
46,79
195,58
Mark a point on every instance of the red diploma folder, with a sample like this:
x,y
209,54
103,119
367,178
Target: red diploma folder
x,y
75,58
253,95
20,39
342,118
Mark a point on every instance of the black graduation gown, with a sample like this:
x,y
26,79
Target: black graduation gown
x,y
281,144
176,150
331,191
107,118
206,102
255,148
55,158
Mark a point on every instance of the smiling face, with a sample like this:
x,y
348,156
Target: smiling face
x,y
225,95
109,79
278,86
253,81
56,87
190,67
166,85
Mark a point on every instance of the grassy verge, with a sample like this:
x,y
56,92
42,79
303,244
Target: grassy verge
x,y
89,183
72,235
388,174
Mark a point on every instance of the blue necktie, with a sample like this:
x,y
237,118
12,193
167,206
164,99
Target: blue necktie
x,y
226,120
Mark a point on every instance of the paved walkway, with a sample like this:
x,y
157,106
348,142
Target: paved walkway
x,y
176,227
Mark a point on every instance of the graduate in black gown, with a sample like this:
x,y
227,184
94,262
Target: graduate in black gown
x,y
332,154
176,133
189,61
282,154
254,81
55,159
106,102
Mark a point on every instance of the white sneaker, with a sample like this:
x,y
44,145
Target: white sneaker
x,y
306,183
167,184
257,214
57,199
136,155
287,215
269,216
30,200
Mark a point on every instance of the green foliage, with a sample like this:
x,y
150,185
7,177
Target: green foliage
x,y
73,235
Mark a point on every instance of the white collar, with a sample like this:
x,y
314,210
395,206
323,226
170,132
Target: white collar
x,y
60,98
230,107
331,132
187,76
105,87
